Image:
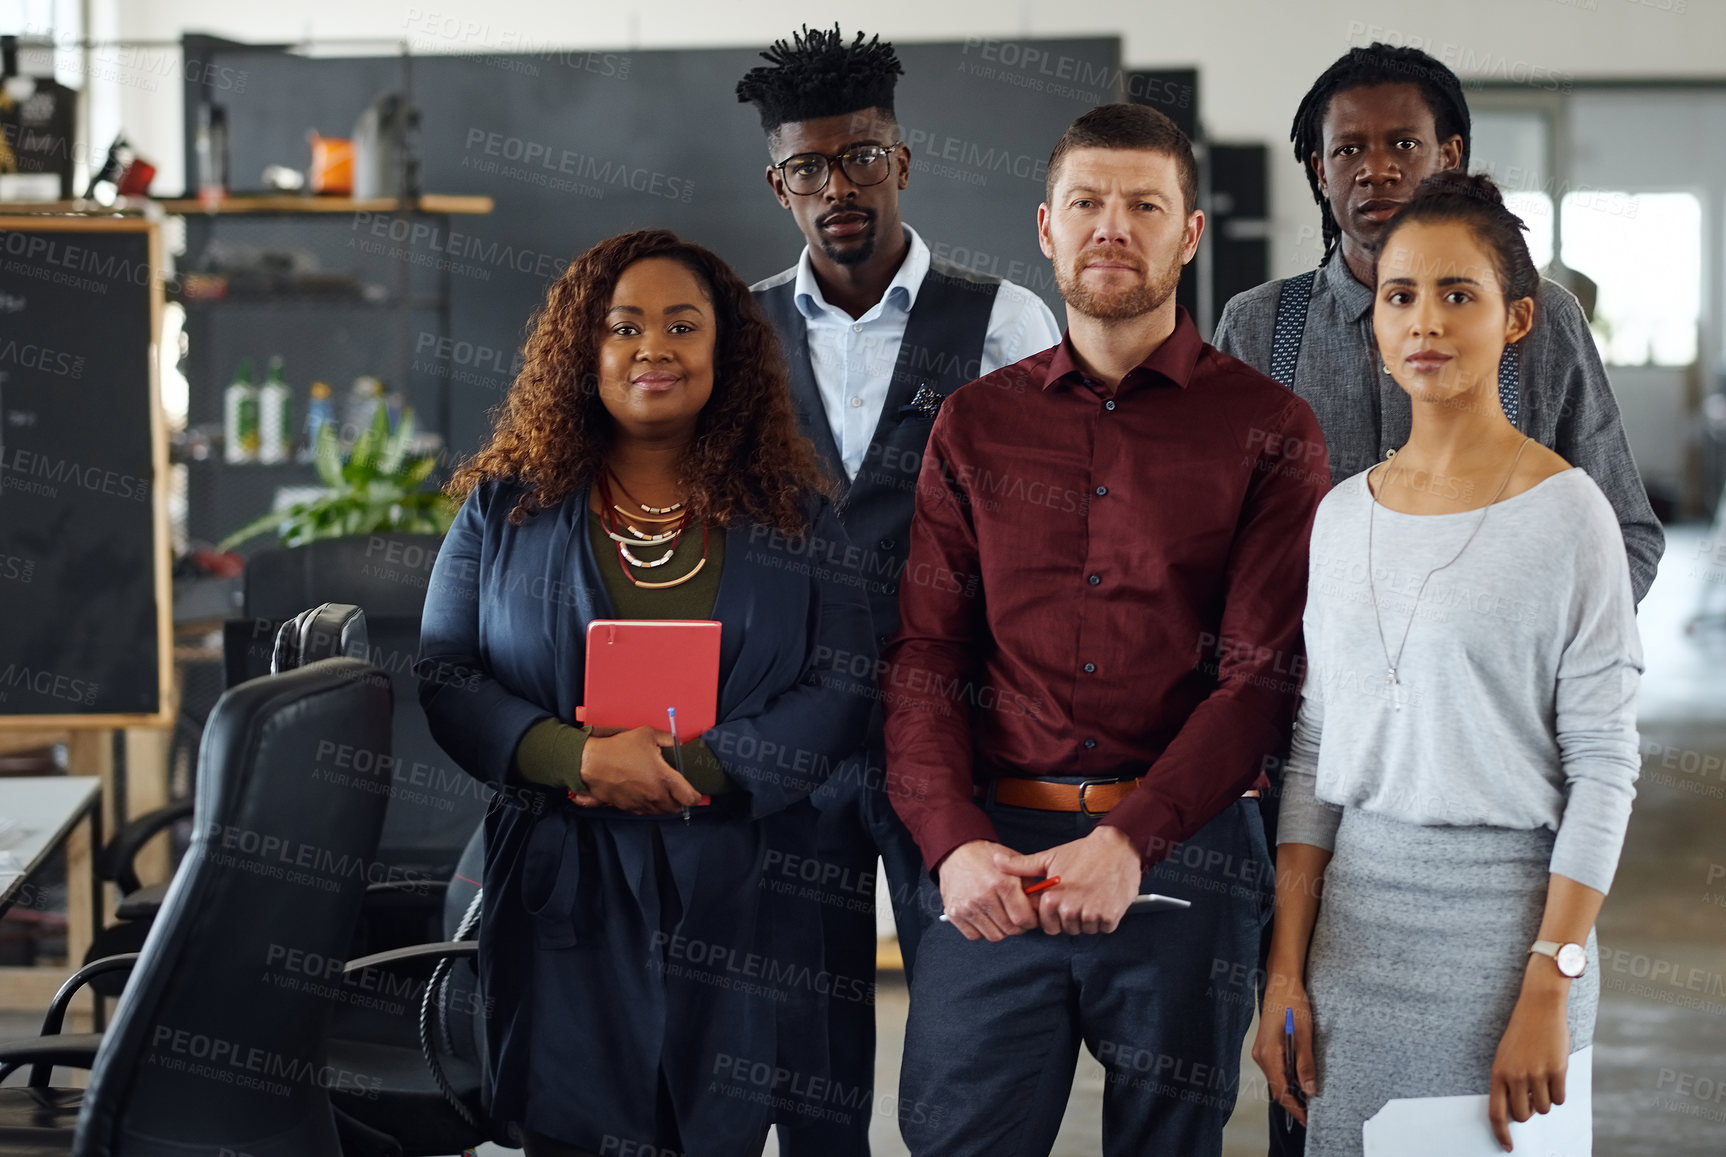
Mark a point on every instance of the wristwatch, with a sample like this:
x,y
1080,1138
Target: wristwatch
x,y
1572,959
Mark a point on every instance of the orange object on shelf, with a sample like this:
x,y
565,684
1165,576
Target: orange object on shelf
x,y
135,178
332,165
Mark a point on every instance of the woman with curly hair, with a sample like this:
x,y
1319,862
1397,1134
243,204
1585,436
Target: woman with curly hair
x,y
637,963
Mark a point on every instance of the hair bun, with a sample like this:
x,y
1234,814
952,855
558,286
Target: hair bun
x,y
1456,183
1474,200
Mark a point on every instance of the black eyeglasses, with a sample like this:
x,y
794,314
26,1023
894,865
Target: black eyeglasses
x,y
808,173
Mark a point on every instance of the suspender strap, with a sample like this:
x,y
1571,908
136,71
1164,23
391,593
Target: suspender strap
x,y
1291,326
1291,330
1510,383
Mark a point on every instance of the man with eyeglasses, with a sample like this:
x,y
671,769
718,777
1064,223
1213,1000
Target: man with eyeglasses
x,y
877,332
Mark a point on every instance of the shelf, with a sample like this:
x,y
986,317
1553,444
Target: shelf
x,y
293,203
295,468
285,204
129,207
422,301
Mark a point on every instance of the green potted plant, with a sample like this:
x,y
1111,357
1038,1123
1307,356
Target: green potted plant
x,y
377,487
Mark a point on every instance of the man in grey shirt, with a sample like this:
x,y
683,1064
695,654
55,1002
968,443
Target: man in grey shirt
x,y
1378,122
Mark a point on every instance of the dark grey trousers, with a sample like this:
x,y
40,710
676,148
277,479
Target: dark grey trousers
x,y
1163,1002
857,824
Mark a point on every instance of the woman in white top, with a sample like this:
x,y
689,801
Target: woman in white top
x,y
1462,767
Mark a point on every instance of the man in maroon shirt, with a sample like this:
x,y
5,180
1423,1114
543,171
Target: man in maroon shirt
x,y
1099,652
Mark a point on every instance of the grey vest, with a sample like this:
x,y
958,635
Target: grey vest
x,y
941,351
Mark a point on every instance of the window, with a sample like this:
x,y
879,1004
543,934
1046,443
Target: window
x,y
1535,209
1644,252
1513,146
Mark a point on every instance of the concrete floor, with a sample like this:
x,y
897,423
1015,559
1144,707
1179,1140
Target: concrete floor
x,y
1660,1045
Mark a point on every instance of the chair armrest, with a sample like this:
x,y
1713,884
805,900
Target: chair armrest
x,y
71,1050
56,1018
119,962
123,849
436,950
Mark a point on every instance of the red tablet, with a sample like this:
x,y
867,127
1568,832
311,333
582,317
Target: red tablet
x,y
636,668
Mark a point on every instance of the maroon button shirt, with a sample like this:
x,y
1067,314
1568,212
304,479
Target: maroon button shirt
x,y
1103,586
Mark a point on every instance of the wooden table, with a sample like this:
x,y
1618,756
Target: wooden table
x,y
37,815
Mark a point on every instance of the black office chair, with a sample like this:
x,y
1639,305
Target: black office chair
x,y
435,805
219,1044
323,632
431,1058
428,1052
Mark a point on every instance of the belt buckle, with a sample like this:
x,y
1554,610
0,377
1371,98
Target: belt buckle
x,y
1084,808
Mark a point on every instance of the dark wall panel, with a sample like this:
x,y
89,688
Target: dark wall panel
x,y
577,146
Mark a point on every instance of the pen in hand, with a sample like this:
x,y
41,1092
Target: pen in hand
x,y
676,750
1030,890
1291,1079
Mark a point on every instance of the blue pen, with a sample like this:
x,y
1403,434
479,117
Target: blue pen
x,y
1291,1081
676,750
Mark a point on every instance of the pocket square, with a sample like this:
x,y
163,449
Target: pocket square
x,y
924,404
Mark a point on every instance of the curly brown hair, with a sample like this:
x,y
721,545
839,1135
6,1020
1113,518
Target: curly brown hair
x,y
747,459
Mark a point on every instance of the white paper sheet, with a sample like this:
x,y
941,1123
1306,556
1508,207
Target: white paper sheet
x,y
1458,1126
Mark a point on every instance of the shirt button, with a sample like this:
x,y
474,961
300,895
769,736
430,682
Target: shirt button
x,y
1095,579
856,401
1109,405
856,329
1090,668
887,544
1090,743
1102,490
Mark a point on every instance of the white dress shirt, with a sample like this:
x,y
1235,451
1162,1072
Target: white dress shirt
x,y
853,358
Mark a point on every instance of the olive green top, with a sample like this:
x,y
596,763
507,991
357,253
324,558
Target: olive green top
x,y
550,752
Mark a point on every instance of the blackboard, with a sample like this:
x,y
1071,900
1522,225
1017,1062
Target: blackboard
x,y
84,597
577,145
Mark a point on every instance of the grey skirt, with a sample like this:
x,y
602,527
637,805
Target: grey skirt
x,y
1416,963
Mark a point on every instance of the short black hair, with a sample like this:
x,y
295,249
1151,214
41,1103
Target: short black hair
x,y
1129,126
1376,64
817,74
1475,201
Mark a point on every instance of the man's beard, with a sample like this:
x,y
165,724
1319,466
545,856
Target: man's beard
x,y
1120,304
863,244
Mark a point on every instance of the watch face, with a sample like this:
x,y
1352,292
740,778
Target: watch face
x,y
1572,959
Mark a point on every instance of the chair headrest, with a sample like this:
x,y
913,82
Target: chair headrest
x,y
327,631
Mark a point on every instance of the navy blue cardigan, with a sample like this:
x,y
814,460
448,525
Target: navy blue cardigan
x,y
579,902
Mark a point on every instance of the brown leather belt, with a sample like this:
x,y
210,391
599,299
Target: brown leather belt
x,y
1092,798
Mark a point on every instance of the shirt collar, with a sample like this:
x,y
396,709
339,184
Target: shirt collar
x,y
1171,362
1353,299
901,291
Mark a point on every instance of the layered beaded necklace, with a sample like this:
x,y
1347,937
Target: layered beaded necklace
x,y
666,525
